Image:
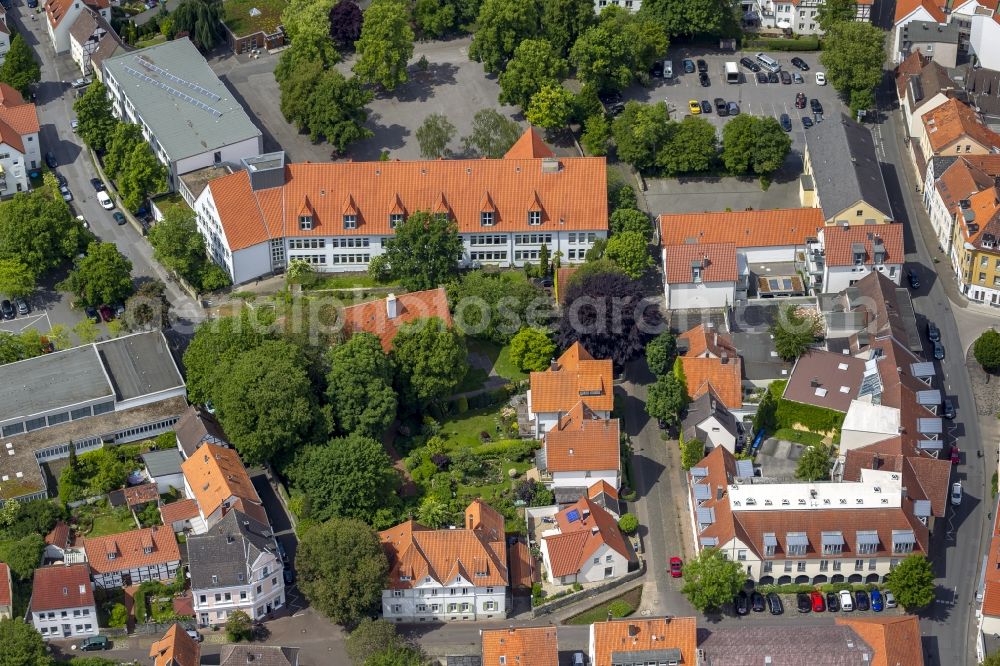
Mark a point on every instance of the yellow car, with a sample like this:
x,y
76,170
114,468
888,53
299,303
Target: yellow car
x,y
694,107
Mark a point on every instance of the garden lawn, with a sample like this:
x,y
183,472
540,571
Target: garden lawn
x,y
600,613
463,430
236,16
111,522
800,436
499,357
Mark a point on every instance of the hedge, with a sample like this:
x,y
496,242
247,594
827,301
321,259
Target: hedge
x,y
509,449
800,44
810,417
795,588
140,606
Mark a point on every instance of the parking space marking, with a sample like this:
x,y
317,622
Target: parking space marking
x,y
24,322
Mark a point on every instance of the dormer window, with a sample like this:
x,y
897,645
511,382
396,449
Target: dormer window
x,y
696,274
395,220
350,221
859,258
880,257
305,222
112,556
534,217
147,550
486,219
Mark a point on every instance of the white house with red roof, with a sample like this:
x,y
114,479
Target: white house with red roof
x,y
62,602
20,151
61,14
574,377
844,255
585,546
579,451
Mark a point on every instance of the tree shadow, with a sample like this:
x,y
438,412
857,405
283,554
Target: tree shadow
x,y
420,87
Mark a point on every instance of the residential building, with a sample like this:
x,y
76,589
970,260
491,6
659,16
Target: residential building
x,y
935,40
109,392
982,90
979,31
818,532
842,175
6,593
707,419
825,379
574,377
90,35
57,542
217,480
580,450
585,546
4,35
974,248
849,253
338,216
896,640
130,558
637,642
179,515
163,468
907,11
235,566
18,141
187,115
62,602
384,317
949,185
954,128
447,574
798,16
197,427
923,85
706,275
712,365
60,16
137,497
258,655
521,646
256,35
631,5
989,606
176,648
872,309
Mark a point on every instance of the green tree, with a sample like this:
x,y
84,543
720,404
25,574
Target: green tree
x,y
141,175
20,69
641,132
596,134
176,242
118,617
711,580
59,336
511,301
91,661
692,147
267,404
986,349
629,219
832,12
630,252
22,645
22,556
408,655
386,44
535,65
532,349
342,569
86,331
814,464
337,110
124,139
550,107
492,134
564,20
666,399
433,513
308,26
37,229
93,113
793,332
434,135
628,523
912,582
430,361
359,386
16,279
618,49
434,19
345,23
202,19
216,343
501,26
692,451
690,17
103,275
853,53
660,353
424,251
239,627
754,144
148,306
371,637
991,660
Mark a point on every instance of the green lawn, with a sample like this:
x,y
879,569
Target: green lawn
x,y
800,436
499,356
600,613
236,15
152,41
473,380
112,521
463,430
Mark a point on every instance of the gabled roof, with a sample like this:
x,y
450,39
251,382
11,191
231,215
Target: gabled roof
x,y
478,552
841,243
59,536
724,377
521,646
582,442
184,509
991,596
964,178
176,648
751,228
637,635
57,10
17,118
216,474
529,146
224,555
820,377
982,217
584,527
705,340
924,478
373,316
576,376
127,550
717,262
911,66
934,8
749,645
707,406
952,120
846,169
258,655
887,307
896,640
59,586
195,428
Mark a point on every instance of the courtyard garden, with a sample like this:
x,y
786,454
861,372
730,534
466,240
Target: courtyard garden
x,y
245,17
795,421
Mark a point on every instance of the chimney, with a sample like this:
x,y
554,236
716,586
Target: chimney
x,y
633,630
725,357
586,514
594,530
571,452
553,365
391,306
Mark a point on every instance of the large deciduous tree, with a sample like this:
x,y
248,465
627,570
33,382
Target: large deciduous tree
x,y
434,18
93,113
216,343
424,252
22,644
359,386
754,145
692,147
619,48
496,306
501,26
176,242
434,135
346,20
551,107
342,569
141,175
536,63
630,219
912,582
20,69
711,580
492,134
986,349
630,252
853,53
641,132
794,332
564,20
103,275
532,349
385,45
371,637
430,360
690,17
666,399
124,138
38,230
16,279
831,12
308,25
814,464
660,353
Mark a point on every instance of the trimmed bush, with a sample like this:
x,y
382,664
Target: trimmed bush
x,y
509,449
801,44
628,523
462,405
619,609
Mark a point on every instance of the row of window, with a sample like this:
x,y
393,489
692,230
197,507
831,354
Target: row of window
x,y
143,429
306,243
313,259
487,239
489,256
76,613
532,239
451,608
361,241
352,258
56,630
452,591
486,219
824,565
581,237
831,549
573,238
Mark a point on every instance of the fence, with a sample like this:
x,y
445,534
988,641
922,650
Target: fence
x,y
145,629
574,597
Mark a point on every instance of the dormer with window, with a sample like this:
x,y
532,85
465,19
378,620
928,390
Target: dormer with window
x,y
796,544
696,270
879,252
350,213
487,211
770,544
148,550
535,211
858,251
397,214
306,216
441,209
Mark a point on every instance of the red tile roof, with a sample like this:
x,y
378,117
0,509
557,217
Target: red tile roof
x,y
56,10
751,228
59,586
706,341
17,118
582,442
129,549
896,640
523,646
634,634
602,487
724,377
579,539
963,179
59,536
951,121
372,317
571,191
141,494
991,597
184,509
6,593
985,207
717,262
176,648
529,146
910,66
839,243
576,377
934,7
216,474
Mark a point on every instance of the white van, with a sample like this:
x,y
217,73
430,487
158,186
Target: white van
x,y
768,63
668,69
846,602
732,73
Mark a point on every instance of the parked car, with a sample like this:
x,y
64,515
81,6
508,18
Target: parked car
x,y
73,124
948,408
801,64
119,217
913,278
890,600
733,109
50,160
761,77
66,194
198,638
832,602
81,83
579,659
876,601
694,107
800,101
676,567
289,575
32,4
797,78
657,70
772,77
720,106
817,602
668,69
105,312
815,105
956,492
7,309
774,604
785,77
820,79
95,643
92,315
955,455
933,334
704,80
741,603
119,309
22,306
786,122
757,602
97,184
803,602
105,200
750,64
688,65
861,600
807,122
846,602
938,350
702,66
706,106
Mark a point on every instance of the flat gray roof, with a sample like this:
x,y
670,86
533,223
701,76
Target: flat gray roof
x,y
206,118
139,364
162,463
51,381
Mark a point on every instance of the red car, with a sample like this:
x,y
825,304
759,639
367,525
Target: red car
x,y
956,455
675,567
817,601
106,313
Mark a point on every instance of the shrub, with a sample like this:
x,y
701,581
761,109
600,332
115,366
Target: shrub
x,y
619,609
628,523
508,449
118,616
140,605
462,405
577,587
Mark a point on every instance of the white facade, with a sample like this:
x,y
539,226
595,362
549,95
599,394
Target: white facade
x,y
716,434
941,218
430,601
838,278
690,296
631,5
263,594
984,31
68,12
581,479
606,563
545,421
167,481
866,423
918,14
77,622
914,121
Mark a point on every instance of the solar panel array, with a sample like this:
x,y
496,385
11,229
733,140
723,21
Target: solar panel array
x,y
173,91
176,79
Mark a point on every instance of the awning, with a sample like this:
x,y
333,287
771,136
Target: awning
x,y
930,426
770,540
797,539
925,369
832,538
929,397
930,444
706,515
784,25
921,508
902,536
699,472
744,468
709,542
868,538
702,492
